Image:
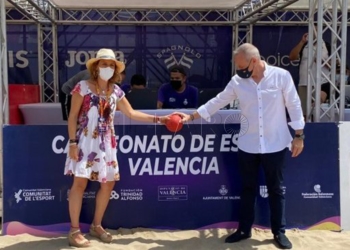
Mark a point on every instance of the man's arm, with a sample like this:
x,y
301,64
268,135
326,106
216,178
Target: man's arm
x,y
294,53
159,105
161,97
195,97
213,105
68,86
293,105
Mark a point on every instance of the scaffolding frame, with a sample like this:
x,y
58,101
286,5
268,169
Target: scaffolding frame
x,y
331,16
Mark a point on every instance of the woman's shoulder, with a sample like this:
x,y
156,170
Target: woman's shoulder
x,y
118,91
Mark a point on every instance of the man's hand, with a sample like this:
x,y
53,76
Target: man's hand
x,y
305,38
297,147
185,117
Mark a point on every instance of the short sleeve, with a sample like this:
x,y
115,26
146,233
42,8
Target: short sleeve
x,y
161,94
118,92
80,88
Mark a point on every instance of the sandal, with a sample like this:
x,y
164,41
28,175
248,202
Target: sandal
x,y
104,237
73,240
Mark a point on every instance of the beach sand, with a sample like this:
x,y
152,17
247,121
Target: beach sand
x,y
213,239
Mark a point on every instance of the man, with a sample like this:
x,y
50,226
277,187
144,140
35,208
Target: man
x,y
264,93
326,88
139,96
68,86
138,82
300,52
124,86
177,94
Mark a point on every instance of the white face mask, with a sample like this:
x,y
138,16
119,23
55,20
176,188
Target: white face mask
x,y
106,73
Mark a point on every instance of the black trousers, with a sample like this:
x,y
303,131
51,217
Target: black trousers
x,y
273,165
65,101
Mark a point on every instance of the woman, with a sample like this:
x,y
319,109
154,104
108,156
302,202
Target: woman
x,y
92,143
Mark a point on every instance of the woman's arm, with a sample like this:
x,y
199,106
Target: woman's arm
x,y
125,107
76,103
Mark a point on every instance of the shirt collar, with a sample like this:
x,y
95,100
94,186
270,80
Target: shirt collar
x,y
267,69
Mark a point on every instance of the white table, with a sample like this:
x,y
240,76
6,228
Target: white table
x,y
51,114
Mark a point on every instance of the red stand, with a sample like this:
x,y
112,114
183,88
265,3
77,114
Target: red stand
x,y
21,94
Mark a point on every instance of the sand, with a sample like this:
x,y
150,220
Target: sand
x,y
213,239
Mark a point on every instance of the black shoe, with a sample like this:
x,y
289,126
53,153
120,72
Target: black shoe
x,y
282,241
237,236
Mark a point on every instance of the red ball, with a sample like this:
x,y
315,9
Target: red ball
x,y
174,123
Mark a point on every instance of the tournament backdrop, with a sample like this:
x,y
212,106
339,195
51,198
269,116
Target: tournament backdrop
x,y
187,180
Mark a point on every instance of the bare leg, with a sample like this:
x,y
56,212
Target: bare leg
x,y
75,201
102,199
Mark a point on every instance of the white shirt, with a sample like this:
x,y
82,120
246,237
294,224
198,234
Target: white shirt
x,y
303,68
263,105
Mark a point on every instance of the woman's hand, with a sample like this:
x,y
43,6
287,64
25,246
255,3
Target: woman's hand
x,y
73,152
164,119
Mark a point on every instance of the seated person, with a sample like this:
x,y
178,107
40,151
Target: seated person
x,y
139,96
347,73
124,86
326,87
137,82
177,94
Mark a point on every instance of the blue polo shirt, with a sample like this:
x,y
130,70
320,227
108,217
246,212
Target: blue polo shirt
x,y
174,100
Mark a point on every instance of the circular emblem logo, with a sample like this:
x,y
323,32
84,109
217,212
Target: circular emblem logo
x,y
231,121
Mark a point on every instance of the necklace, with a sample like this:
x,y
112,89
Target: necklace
x,y
103,106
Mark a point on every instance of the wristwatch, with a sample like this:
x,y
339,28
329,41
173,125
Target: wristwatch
x,y
300,136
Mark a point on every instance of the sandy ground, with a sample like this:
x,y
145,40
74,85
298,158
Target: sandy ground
x,y
213,239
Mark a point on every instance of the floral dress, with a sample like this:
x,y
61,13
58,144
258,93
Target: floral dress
x,y
97,154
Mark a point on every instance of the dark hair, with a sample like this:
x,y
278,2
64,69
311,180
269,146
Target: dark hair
x,y
138,80
178,69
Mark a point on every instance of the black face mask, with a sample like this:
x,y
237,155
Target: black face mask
x,y
176,84
245,73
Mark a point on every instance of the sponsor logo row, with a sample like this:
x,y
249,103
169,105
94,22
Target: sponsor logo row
x,y
165,193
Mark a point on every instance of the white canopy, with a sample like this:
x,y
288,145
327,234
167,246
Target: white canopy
x,y
163,4
153,4
160,4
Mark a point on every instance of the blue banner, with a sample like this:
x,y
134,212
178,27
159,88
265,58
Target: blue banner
x,y
187,180
206,51
22,51
151,50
